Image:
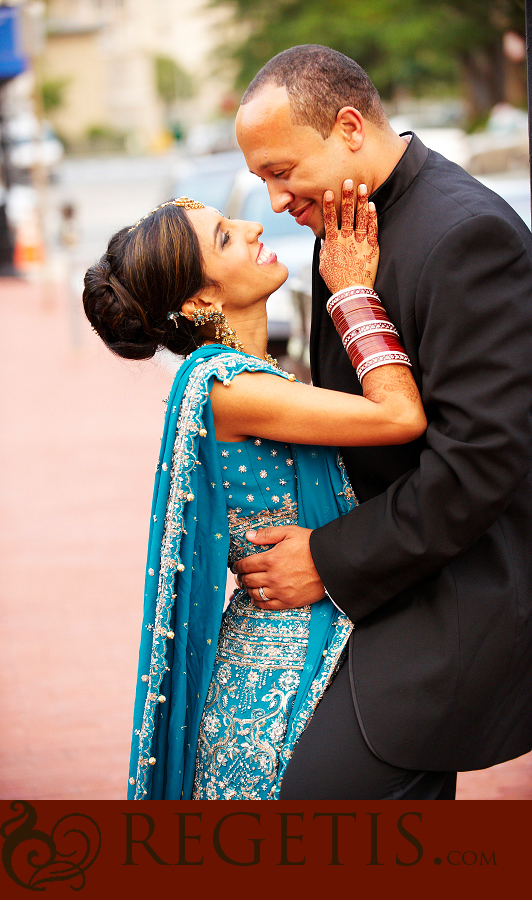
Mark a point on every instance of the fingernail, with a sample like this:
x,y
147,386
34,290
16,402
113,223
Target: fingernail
x,y
362,189
250,534
329,195
371,206
348,185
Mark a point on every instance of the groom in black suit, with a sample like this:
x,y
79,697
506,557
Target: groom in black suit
x,y
434,566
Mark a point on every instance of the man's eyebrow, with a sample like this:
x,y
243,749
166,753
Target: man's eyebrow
x,y
269,164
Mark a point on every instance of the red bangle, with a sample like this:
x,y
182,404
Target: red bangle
x,y
370,339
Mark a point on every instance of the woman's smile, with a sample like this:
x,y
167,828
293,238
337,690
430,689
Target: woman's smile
x,y
266,255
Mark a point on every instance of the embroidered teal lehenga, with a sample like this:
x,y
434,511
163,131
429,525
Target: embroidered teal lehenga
x,y
223,697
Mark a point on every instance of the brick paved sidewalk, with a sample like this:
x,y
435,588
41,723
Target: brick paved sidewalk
x,y
80,440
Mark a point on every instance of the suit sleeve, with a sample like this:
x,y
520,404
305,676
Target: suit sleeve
x,y
474,321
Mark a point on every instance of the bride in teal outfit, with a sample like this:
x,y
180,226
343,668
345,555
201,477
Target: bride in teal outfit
x,y
222,697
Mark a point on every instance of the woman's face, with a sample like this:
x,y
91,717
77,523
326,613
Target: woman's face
x,y
236,259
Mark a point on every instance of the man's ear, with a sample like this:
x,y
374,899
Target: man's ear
x,y
350,123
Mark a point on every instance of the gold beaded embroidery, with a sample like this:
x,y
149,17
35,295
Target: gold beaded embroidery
x,y
238,525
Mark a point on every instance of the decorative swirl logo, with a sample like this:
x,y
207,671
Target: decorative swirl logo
x,y
31,857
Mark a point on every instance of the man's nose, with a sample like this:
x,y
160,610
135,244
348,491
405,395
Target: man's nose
x,y
280,199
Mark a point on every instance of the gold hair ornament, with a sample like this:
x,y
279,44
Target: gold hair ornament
x,y
184,202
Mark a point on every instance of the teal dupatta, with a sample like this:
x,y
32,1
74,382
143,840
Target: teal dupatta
x,y
186,576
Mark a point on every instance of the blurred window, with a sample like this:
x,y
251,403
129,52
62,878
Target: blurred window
x,y
256,208
211,188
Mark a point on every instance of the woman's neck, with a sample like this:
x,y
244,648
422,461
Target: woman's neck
x,y
251,332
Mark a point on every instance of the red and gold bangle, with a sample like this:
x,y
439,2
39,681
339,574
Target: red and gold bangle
x,y
370,339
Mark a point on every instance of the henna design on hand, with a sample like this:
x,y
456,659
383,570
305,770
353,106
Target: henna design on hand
x,y
348,256
373,239
362,219
338,265
348,211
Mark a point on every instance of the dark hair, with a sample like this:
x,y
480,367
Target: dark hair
x,y
319,82
147,272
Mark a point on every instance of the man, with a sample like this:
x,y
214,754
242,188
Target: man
x,y
434,566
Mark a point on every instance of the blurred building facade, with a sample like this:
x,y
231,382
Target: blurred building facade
x,y
101,57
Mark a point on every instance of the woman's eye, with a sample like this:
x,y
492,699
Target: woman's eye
x,y
225,238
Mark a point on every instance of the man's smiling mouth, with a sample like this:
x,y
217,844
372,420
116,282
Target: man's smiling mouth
x,y
302,214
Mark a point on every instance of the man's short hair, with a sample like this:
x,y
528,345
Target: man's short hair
x,y
319,82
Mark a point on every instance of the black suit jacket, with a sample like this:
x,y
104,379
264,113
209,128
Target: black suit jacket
x,y
435,565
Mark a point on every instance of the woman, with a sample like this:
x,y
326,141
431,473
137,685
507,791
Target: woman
x,y
221,703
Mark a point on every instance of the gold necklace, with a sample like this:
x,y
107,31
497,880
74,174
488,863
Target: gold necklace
x,y
273,362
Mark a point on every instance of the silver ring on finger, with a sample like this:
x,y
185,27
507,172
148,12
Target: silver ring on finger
x,y
262,595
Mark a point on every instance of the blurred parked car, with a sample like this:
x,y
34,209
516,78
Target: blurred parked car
x,y
31,144
515,189
292,243
208,179
451,142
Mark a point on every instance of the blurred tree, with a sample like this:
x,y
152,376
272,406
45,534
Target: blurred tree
x,y
406,46
173,82
52,93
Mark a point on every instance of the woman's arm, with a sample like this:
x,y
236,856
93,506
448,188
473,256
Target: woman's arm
x,y
390,412
262,405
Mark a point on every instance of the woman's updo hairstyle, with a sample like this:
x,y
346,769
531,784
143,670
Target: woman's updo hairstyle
x,y
148,271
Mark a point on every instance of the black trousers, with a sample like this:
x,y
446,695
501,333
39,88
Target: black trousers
x,y
332,761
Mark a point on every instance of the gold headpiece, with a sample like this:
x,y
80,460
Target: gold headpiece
x,y
181,201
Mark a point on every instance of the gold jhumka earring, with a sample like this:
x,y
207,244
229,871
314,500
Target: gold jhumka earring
x,y
223,332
